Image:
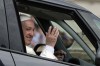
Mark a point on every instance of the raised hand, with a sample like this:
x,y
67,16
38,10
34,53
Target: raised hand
x,y
51,36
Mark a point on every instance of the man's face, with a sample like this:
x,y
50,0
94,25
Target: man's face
x,y
28,30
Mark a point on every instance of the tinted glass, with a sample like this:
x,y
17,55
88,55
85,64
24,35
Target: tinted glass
x,y
93,21
77,29
71,44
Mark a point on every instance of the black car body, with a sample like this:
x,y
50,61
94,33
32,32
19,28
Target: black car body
x,y
12,49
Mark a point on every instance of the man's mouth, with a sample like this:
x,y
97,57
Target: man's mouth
x,y
30,39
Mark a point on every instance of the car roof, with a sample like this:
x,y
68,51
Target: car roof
x,y
57,3
64,3
67,3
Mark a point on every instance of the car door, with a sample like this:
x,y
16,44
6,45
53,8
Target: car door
x,y
27,59
17,47
5,55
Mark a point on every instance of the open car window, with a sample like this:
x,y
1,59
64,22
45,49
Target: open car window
x,y
78,46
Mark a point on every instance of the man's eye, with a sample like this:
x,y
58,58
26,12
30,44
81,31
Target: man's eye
x,y
27,29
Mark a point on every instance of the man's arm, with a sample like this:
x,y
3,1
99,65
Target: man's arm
x,y
51,39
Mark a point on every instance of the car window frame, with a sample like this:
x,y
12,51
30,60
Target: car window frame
x,y
89,32
4,42
14,26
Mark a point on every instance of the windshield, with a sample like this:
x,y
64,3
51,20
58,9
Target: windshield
x,y
93,21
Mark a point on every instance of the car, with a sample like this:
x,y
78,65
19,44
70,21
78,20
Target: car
x,y
76,22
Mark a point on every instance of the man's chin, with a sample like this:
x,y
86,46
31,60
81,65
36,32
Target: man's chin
x,y
28,43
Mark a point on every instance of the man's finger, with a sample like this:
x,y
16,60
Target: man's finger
x,y
56,33
54,30
46,34
49,31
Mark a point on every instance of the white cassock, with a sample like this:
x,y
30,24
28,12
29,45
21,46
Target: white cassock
x,y
47,52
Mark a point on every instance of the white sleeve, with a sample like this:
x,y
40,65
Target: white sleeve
x,y
30,50
48,52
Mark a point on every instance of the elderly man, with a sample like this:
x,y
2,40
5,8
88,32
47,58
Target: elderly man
x,y
28,30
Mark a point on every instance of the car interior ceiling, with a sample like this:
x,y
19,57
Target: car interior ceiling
x,y
43,13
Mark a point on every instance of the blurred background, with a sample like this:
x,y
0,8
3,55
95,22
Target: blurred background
x,y
91,5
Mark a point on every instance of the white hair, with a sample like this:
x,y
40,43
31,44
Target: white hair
x,y
24,16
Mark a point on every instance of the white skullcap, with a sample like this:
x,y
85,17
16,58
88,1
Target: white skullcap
x,y
24,16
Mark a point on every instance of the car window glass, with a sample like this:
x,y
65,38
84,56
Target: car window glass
x,y
97,22
71,45
77,29
93,21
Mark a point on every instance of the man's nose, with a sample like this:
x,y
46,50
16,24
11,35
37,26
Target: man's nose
x,y
32,33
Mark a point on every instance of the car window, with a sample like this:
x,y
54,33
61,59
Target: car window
x,y
77,47
74,48
77,29
71,44
93,21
